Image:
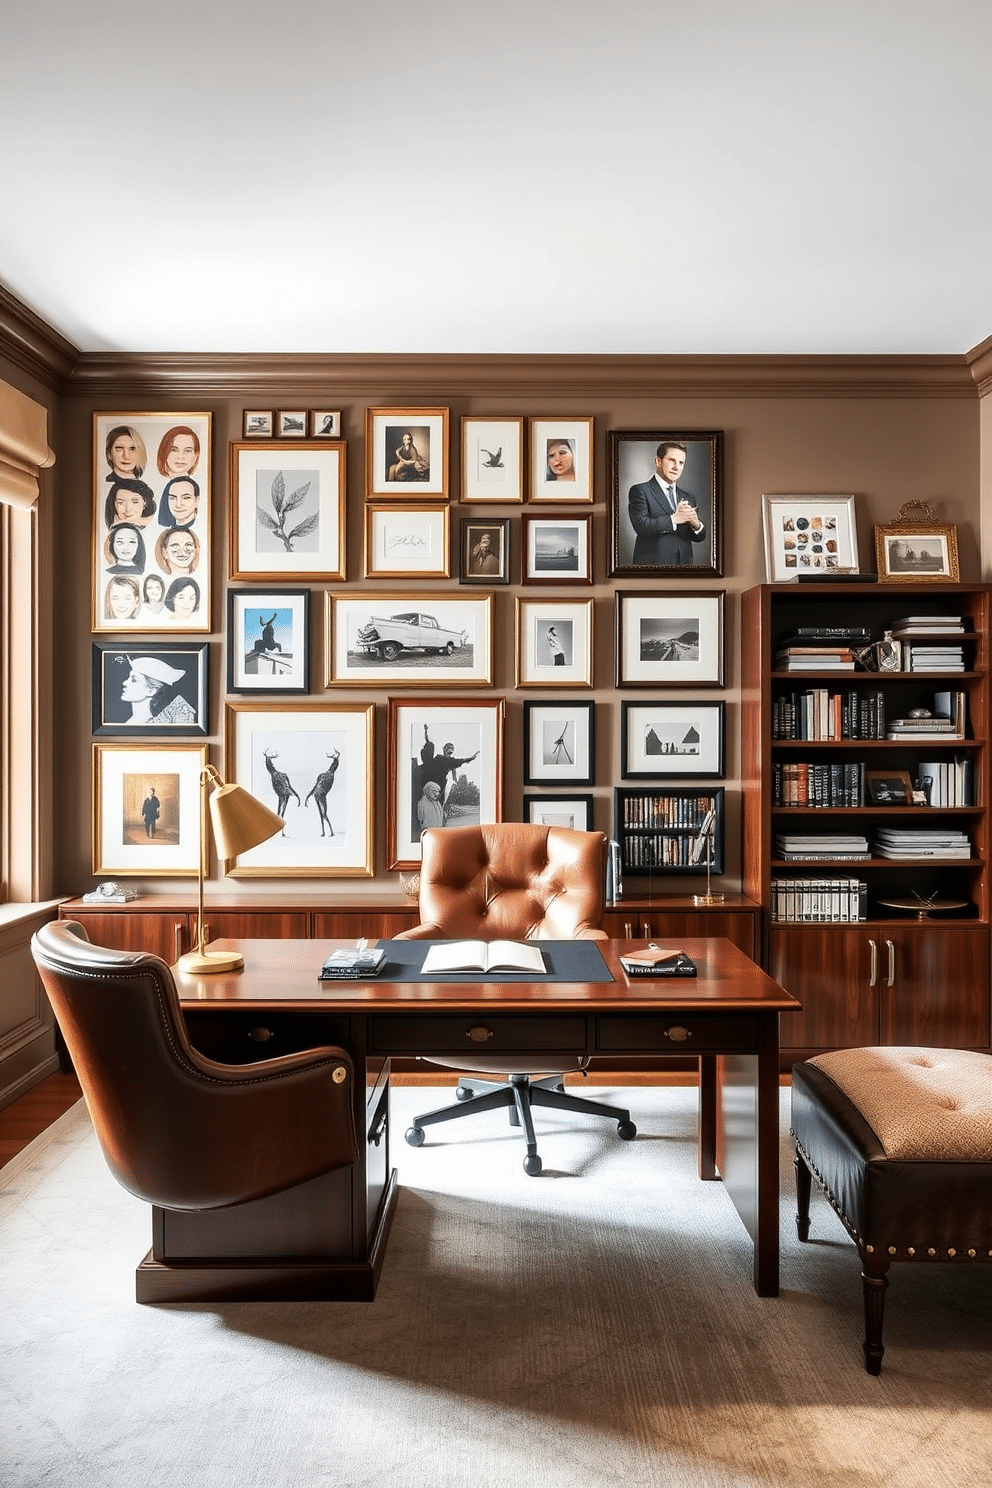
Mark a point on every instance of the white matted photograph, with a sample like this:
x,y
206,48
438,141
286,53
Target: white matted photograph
x,y
808,534
557,550
554,643
417,639
669,640
312,764
659,740
573,812
146,809
406,453
445,769
287,511
561,460
492,460
401,540
268,640
559,742
150,688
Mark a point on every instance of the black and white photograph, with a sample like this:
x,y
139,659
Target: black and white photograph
x,y
445,769
671,739
917,548
559,742
403,540
151,522
554,643
287,511
573,812
418,639
561,460
485,550
150,688
258,423
312,764
291,424
666,502
492,459
557,550
268,640
406,452
146,809
325,424
669,640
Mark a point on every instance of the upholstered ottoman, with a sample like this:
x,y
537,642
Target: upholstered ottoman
x,y
900,1140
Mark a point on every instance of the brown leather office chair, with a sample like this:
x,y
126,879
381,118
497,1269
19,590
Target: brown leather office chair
x,y
513,881
177,1129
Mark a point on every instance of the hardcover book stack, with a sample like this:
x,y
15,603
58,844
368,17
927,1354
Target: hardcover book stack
x,y
907,843
925,646
792,847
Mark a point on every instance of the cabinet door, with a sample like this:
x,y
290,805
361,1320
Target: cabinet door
x,y
344,924
829,969
245,924
165,934
934,986
647,923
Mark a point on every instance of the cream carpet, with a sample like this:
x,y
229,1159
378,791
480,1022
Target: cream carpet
x,y
592,1327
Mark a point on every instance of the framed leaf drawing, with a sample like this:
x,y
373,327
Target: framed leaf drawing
x,y
287,510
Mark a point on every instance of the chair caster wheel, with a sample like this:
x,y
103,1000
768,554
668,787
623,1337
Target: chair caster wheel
x,y
626,1131
462,1094
532,1165
415,1136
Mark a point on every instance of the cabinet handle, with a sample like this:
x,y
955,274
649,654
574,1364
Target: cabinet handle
x,y
379,1129
177,937
646,930
628,930
873,973
678,1034
479,1035
890,947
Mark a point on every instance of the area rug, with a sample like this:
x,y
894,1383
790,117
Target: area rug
x,y
595,1326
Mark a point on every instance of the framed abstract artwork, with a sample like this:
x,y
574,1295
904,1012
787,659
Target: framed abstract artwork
x,y
560,742
402,540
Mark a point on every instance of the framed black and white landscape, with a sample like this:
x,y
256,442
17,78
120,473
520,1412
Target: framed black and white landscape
x,y
557,550
660,740
669,640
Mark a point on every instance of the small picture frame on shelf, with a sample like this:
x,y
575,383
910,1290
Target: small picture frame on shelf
x,y
557,550
559,742
889,787
808,535
492,460
573,812
917,550
561,460
669,831
484,545
291,423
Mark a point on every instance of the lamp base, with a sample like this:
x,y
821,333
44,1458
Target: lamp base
x,y
200,963
708,898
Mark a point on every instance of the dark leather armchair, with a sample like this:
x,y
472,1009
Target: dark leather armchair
x,y
177,1129
513,881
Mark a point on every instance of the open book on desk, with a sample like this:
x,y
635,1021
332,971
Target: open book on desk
x,y
484,955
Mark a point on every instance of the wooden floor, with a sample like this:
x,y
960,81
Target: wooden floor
x,y
33,1113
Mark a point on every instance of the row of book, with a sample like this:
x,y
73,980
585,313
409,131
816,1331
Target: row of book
x,y
658,850
666,811
819,714
897,843
804,783
819,899
948,782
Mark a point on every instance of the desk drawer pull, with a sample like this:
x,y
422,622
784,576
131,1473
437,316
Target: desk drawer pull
x,y
379,1129
479,1035
678,1034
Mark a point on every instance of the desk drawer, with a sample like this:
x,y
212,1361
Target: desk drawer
x,y
454,1035
676,1033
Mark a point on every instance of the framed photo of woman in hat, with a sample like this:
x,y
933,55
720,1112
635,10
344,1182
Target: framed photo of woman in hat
x,y
148,688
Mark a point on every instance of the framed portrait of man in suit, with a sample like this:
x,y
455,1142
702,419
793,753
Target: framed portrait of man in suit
x,y
666,502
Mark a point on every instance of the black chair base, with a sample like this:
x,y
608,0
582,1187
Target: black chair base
x,y
518,1094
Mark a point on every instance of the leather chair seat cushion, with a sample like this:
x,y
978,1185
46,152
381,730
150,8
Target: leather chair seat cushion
x,y
924,1105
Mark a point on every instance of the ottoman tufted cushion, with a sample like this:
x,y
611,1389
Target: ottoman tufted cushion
x,y
924,1105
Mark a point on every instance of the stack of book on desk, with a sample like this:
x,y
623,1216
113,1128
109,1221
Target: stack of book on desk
x,y
791,847
907,842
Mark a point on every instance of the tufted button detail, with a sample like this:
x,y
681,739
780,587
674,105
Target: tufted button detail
x,y
972,1254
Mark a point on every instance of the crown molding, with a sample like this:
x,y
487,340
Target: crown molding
x,y
388,379
33,344
979,361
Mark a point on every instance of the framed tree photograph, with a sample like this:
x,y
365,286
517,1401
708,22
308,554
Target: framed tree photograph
x,y
420,640
258,423
151,551
561,460
916,548
808,535
291,424
574,812
406,452
268,640
666,502
402,541
554,643
444,769
669,640
152,688
492,460
559,742
484,550
557,550
287,511
146,809
314,765
668,739
325,423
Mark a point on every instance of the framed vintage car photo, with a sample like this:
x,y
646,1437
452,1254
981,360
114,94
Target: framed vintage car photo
x,y
420,640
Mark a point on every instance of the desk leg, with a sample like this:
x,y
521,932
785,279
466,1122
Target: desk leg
x,y
708,1117
749,1126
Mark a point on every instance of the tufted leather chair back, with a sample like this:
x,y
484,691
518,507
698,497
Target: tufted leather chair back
x,y
511,880
177,1129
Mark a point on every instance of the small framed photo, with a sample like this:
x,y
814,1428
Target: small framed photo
x,y
406,452
257,423
808,535
151,527
314,765
152,688
666,502
889,787
917,549
557,550
574,812
484,550
554,643
492,459
146,809
268,640
669,640
403,541
325,424
667,739
292,424
559,742
445,769
669,831
377,639
561,460
287,511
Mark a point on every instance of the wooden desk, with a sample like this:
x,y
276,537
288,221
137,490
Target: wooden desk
x,y
292,1246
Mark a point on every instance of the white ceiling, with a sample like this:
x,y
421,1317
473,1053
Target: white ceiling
x,y
533,176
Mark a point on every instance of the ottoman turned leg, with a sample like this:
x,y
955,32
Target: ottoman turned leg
x,y
875,1282
804,1184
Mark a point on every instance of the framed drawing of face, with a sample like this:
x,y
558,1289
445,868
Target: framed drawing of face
x,y
561,460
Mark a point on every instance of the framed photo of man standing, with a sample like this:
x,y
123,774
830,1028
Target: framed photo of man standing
x,y
666,502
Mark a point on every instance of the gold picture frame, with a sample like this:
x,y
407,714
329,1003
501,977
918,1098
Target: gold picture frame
x,y
917,550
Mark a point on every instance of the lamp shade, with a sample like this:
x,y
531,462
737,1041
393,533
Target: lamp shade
x,y
239,821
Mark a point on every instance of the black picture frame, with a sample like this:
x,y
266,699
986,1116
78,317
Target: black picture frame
x,y
538,808
278,660
492,567
662,739
560,742
184,699
659,829
639,540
